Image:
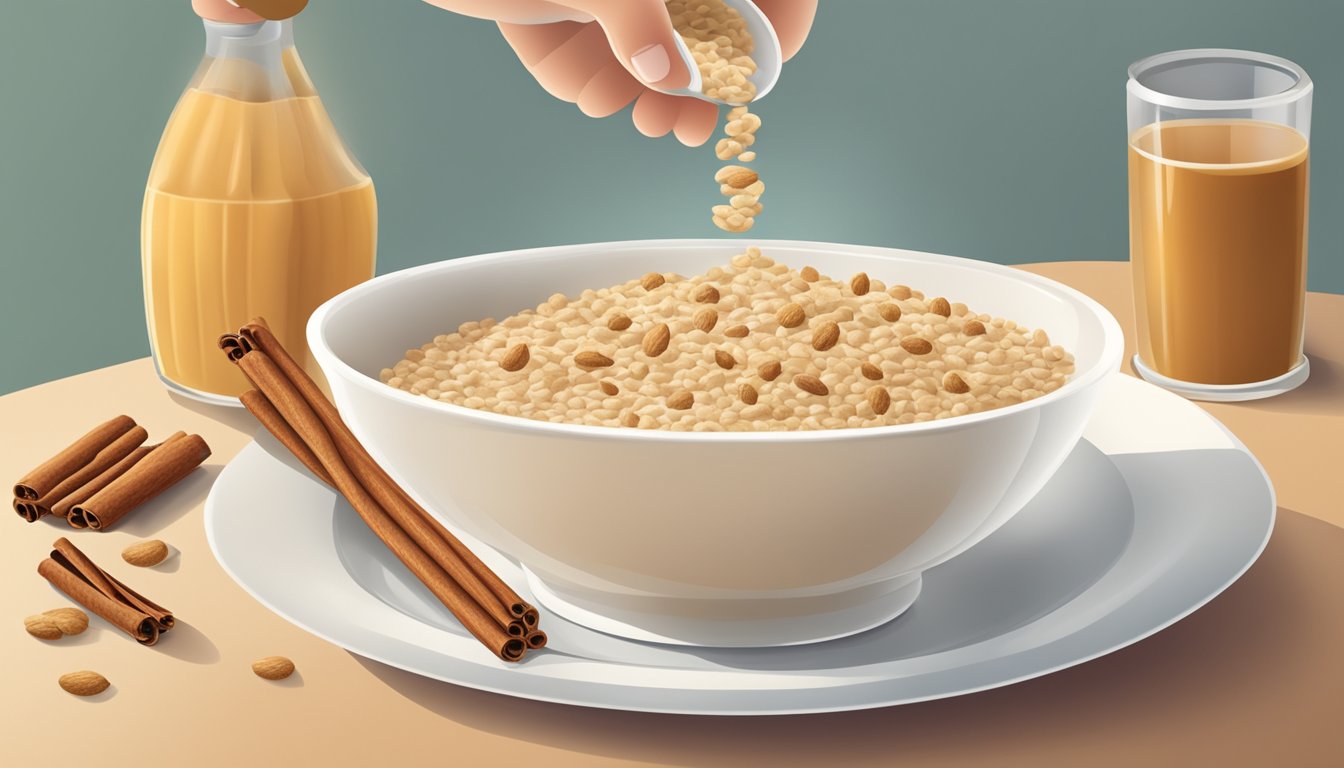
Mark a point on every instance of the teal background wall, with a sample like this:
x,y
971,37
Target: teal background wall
x,y
986,128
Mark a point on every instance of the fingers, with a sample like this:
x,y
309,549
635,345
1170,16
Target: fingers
x,y
655,114
792,20
695,123
608,91
691,120
641,35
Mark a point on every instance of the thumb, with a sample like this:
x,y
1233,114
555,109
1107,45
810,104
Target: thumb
x,y
641,35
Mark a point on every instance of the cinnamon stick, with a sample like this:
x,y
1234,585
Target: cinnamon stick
x,y
268,379
260,407
65,494
486,586
72,572
165,465
291,406
46,476
62,508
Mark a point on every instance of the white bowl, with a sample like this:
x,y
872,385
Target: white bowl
x,y
725,538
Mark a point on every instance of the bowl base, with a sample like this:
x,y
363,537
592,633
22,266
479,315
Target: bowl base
x,y
718,623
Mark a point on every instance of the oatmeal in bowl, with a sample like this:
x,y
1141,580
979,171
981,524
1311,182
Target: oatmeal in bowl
x,y
752,345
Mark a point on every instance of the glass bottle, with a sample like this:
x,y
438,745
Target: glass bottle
x,y
254,207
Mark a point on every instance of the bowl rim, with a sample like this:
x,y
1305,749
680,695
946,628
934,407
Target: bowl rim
x,y
1108,360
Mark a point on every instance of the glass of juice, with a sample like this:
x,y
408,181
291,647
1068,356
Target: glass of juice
x,y
1218,166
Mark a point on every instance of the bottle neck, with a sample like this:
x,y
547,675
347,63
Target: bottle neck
x,y
253,42
247,61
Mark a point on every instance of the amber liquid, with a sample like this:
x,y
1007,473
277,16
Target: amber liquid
x,y
253,208
1218,243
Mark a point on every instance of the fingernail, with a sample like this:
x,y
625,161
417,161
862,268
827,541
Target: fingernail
x,y
651,63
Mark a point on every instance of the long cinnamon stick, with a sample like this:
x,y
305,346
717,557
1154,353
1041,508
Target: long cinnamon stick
x,y
264,374
260,407
484,584
291,406
42,479
169,462
72,572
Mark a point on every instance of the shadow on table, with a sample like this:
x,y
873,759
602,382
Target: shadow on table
x,y
163,510
187,643
1319,395
1250,677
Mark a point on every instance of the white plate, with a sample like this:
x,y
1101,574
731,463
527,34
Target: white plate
x,y
1155,513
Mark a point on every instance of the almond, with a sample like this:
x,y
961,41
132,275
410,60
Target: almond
x,y
748,394
859,284
879,399
791,315
871,371
53,624
631,419
953,383
84,683
939,306
809,274
916,346
737,177
810,384
657,339
724,359
71,621
515,358
147,553
681,400
273,667
619,321
974,328
608,388
706,319
770,370
652,280
590,359
737,332
43,627
889,311
825,336
707,294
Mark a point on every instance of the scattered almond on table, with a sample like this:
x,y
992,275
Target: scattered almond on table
x,y
84,683
145,554
273,668
56,623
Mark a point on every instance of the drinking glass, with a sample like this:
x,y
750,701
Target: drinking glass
x,y
1218,193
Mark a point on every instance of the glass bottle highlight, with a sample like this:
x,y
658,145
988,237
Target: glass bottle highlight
x,y
254,207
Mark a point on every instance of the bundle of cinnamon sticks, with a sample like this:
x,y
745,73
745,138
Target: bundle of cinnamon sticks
x,y
291,406
105,474
72,572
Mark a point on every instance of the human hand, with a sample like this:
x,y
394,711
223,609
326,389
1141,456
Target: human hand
x,y
603,54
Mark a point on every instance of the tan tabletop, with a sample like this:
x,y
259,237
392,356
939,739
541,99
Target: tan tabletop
x,y
1255,677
